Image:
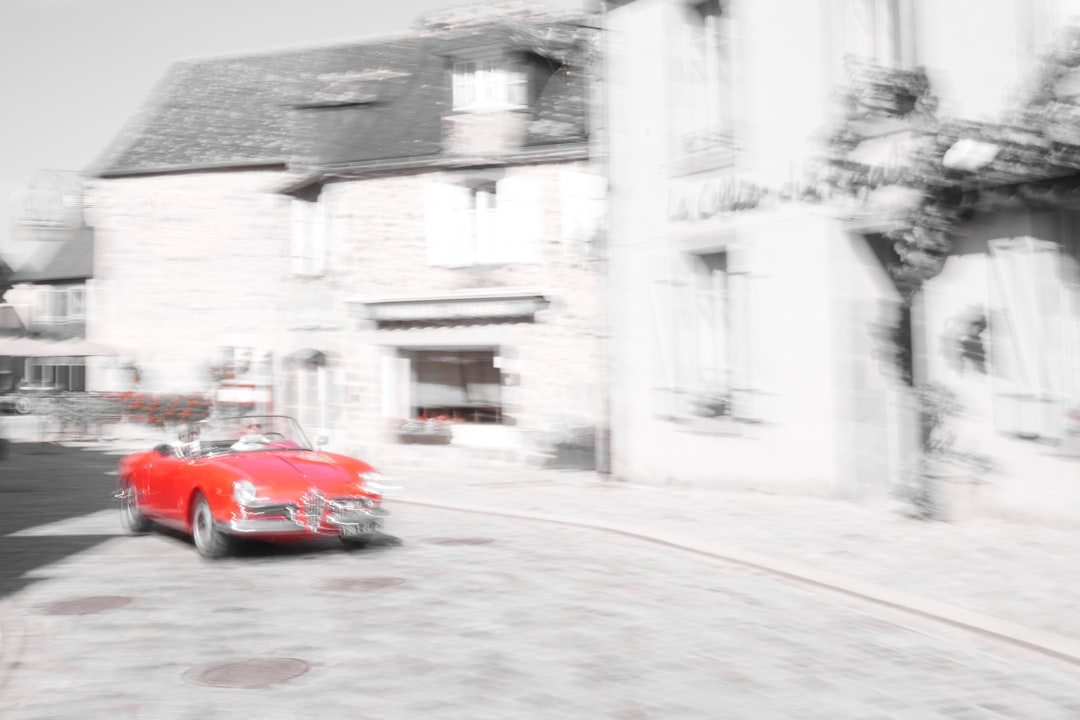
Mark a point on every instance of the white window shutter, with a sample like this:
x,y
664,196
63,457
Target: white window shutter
x,y
581,208
1071,330
742,285
396,384
485,226
663,345
301,233
1029,303
449,226
319,231
520,217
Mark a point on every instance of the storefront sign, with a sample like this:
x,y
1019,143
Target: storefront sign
x,y
703,199
455,309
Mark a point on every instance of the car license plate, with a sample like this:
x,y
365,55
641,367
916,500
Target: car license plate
x,y
353,529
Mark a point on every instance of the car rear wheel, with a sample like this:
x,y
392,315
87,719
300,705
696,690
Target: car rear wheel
x,y
209,540
130,515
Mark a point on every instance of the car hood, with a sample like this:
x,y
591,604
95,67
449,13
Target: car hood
x,y
290,473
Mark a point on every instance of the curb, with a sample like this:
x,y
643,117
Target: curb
x,y
1045,643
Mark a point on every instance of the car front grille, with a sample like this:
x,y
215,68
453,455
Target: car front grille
x,y
313,509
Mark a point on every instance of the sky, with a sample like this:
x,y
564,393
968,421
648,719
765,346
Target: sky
x,y
74,71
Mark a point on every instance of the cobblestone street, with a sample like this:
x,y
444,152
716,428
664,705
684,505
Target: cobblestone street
x,y
484,618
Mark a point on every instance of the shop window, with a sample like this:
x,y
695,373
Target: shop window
x,y
1034,337
489,84
460,386
309,228
478,220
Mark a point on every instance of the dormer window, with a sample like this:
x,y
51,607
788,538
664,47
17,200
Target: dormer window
x,y
484,84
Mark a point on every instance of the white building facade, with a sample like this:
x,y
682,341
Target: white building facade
x,y
750,288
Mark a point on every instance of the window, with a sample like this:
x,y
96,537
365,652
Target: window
x,y
308,236
76,303
489,84
234,362
1034,333
710,345
60,303
480,220
874,31
463,386
705,87
306,393
58,373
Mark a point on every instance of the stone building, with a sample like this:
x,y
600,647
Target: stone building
x,y
369,236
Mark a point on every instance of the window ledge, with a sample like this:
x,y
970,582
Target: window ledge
x,y
720,427
315,326
481,109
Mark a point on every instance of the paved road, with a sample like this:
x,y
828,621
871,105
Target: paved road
x,y
540,622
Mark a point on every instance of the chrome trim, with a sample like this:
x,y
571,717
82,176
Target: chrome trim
x,y
256,525
375,515
314,514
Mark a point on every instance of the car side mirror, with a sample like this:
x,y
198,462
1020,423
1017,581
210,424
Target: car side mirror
x,y
165,450
321,440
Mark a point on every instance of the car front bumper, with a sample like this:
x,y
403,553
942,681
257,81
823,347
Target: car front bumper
x,y
357,523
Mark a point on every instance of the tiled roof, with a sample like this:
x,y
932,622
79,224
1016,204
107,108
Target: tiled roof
x,y
10,322
74,260
387,97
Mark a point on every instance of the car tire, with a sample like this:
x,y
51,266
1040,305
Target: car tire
x,y
209,540
23,405
130,516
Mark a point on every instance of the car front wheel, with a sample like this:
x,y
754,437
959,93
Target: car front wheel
x,y
130,515
209,540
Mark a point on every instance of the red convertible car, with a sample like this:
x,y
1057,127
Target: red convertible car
x,y
254,477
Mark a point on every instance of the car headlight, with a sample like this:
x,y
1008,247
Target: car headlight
x,y
372,481
244,492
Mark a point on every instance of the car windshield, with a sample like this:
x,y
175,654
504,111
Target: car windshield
x,y
250,433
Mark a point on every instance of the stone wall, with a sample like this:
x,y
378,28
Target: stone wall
x,y
189,263
379,250
184,264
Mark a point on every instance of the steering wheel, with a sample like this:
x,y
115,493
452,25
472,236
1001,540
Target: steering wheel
x,y
269,437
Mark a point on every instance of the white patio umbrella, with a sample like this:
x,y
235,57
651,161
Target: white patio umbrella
x,y
81,347
26,347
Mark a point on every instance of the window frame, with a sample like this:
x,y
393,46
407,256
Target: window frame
x,y
48,300
490,82
42,373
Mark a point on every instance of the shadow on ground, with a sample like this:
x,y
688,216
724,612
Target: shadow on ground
x,y
42,483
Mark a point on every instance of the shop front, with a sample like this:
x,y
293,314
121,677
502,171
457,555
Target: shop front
x,y
449,371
